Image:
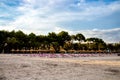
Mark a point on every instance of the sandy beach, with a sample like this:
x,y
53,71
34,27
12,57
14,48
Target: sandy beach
x,y
14,67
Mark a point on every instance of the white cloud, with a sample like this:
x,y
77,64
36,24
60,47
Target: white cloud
x,y
108,35
43,16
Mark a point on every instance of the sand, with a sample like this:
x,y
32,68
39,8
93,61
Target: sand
x,y
35,68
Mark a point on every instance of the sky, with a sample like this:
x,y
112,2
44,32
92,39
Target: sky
x,y
92,18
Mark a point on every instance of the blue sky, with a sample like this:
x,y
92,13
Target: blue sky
x,y
92,18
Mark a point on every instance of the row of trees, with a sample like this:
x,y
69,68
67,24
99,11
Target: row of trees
x,y
19,40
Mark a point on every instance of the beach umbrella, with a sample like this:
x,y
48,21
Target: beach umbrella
x,y
23,50
31,50
17,51
13,50
62,50
27,51
52,50
72,51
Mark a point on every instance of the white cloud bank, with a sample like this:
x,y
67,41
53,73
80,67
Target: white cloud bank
x,y
108,35
43,16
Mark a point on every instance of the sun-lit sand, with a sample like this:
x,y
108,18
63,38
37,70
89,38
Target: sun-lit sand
x,y
36,68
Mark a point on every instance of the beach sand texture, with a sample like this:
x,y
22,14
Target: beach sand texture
x,y
36,68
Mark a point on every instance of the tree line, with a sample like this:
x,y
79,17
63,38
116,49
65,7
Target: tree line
x,y
19,40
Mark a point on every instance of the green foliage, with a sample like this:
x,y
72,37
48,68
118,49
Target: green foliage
x,y
19,40
76,46
68,46
96,44
80,37
63,37
52,37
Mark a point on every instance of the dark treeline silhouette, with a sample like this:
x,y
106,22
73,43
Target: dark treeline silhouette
x,y
18,40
